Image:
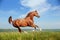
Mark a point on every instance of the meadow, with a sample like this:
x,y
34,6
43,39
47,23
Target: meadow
x,y
36,35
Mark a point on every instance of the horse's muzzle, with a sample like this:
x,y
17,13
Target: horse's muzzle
x,y
38,16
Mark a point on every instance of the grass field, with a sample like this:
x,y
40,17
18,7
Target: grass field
x,y
30,36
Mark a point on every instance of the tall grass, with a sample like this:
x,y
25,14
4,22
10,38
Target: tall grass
x,y
30,36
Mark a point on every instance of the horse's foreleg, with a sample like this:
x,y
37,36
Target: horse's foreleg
x,y
39,28
33,26
36,26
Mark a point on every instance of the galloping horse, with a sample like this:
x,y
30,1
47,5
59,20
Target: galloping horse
x,y
27,21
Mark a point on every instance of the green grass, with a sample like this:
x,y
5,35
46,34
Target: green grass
x,y
30,36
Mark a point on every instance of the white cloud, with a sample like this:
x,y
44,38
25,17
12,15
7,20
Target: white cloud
x,y
32,3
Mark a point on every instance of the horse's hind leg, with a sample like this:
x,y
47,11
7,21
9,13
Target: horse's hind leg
x,y
19,29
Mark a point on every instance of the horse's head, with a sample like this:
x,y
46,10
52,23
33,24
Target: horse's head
x,y
35,13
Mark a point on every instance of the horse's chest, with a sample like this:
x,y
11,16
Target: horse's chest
x,y
29,22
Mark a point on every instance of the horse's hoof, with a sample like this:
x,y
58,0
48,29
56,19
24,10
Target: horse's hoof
x,y
40,29
25,32
33,30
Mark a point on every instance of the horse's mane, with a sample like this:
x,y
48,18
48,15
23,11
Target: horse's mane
x,y
28,14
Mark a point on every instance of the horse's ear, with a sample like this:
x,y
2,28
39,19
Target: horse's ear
x,y
35,10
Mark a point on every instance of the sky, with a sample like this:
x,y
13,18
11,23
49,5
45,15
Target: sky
x,y
49,11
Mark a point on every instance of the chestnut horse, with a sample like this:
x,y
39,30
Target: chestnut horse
x,y
27,21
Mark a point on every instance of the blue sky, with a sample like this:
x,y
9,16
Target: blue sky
x,y
49,10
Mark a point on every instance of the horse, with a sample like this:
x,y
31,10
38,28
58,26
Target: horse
x,y
24,22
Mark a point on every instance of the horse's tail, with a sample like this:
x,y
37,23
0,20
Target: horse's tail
x,y
10,19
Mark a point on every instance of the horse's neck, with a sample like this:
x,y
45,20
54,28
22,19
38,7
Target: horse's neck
x,y
30,17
